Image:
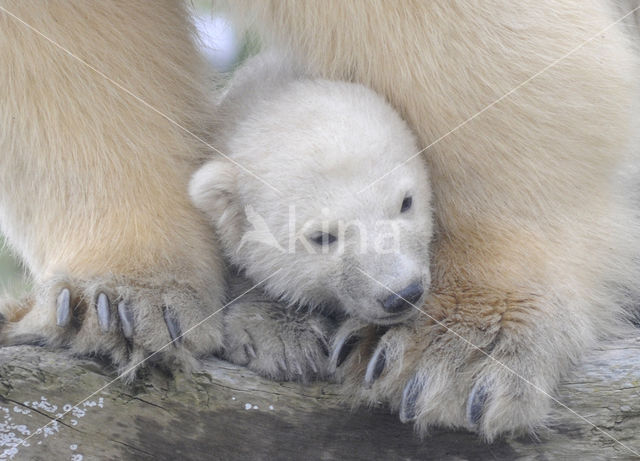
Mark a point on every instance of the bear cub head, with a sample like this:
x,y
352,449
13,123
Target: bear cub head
x,y
316,195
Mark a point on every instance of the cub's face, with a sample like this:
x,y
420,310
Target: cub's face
x,y
325,208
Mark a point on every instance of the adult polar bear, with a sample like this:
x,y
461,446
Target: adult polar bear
x,y
536,242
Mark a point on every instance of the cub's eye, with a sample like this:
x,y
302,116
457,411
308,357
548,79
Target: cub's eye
x,y
322,238
406,204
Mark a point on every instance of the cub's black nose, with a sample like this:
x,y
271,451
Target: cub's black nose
x,y
404,298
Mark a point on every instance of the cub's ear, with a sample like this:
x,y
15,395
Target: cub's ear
x,y
212,188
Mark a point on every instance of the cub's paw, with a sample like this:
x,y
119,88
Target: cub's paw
x,y
474,373
130,322
275,341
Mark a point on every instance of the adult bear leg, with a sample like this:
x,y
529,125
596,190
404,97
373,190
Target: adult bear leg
x,y
499,329
527,113
95,101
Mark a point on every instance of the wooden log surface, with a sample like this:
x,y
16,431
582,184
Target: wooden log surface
x,y
227,412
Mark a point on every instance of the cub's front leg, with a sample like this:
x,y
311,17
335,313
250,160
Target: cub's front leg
x,y
273,339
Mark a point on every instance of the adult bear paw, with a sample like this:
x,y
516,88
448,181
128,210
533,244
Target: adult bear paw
x,y
473,372
130,322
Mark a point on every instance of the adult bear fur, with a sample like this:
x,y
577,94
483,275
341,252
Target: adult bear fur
x,y
100,107
528,115
530,112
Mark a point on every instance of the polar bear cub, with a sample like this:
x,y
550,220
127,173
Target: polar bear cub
x,y
305,204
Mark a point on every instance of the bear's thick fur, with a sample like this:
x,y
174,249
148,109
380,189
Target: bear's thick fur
x,y
530,112
299,217
528,115
96,104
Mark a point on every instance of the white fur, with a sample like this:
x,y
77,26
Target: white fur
x,y
319,143
536,250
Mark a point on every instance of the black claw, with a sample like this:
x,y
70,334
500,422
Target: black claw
x,y
410,399
376,366
475,405
249,351
63,309
322,341
126,319
102,306
313,366
173,325
346,348
324,346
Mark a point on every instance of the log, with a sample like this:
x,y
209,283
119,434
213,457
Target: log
x,y
227,412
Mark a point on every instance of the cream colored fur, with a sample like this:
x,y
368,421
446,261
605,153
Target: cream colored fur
x,y
311,146
93,183
537,244
537,247
308,147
